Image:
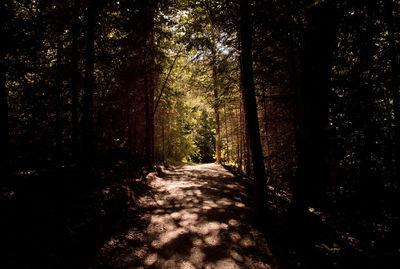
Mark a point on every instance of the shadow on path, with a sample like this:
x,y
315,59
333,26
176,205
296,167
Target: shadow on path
x,y
199,217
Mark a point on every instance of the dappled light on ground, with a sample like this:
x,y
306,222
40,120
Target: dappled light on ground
x,y
198,217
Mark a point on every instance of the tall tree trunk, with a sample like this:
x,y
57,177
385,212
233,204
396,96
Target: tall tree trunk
x,y
250,107
163,138
313,108
394,89
239,137
87,118
33,91
394,83
216,104
149,81
74,90
226,134
148,113
3,92
58,123
368,182
267,142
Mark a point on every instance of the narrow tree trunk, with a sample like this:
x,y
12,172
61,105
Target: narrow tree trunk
x,y
226,134
241,144
394,89
238,138
163,138
74,91
58,123
216,105
149,115
265,107
394,84
3,93
87,120
313,109
250,107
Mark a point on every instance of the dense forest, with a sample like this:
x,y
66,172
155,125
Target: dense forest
x,y
301,97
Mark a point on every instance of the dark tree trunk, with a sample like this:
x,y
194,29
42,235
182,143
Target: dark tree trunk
x,y
216,104
313,108
250,107
74,91
87,117
226,135
3,92
394,89
148,113
58,123
394,83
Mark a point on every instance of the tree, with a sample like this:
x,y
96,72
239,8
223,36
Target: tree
x,y
313,107
87,118
3,89
250,106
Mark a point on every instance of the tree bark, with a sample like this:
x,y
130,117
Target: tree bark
x,y
313,108
87,118
216,103
394,89
394,84
148,115
3,93
226,134
58,123
74,90
250,107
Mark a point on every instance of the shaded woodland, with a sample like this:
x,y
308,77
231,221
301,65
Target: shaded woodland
x,y
301,98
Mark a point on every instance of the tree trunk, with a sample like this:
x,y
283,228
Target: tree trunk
x,y
250,107
394,89
394,84
3,93
58,123
147,115
87,118
216,104
313,108
74,91
239,137
226,134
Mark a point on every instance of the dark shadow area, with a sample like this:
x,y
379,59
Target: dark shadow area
x,y
59,218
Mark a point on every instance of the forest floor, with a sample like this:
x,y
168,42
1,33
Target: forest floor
x,y
189,216
197,216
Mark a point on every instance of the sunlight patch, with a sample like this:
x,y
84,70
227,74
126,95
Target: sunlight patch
x,y
240,205
186,265
196,255
236,256
226,264
170,235
233,222
224,201
151,259
235,236
176,215
247,241
212,240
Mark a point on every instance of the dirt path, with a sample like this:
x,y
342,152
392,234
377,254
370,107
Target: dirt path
x,y
198,217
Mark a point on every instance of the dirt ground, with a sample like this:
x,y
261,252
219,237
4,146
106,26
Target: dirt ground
x,y
196,216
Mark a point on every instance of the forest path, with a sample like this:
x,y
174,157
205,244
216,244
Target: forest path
x,y
200,216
